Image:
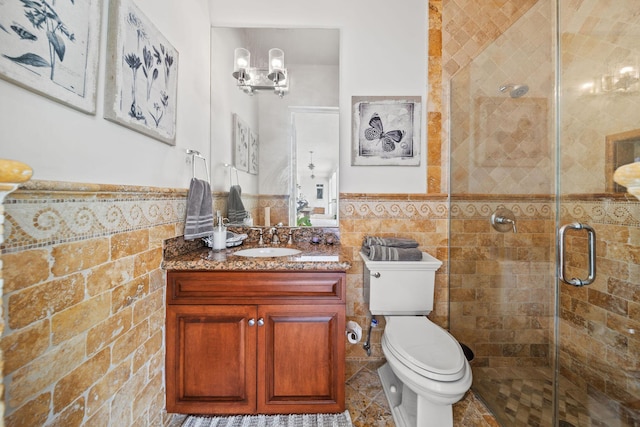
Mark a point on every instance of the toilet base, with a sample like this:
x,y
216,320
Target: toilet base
x,y
409,409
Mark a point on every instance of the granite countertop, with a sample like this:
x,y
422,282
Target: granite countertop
x,y
312,257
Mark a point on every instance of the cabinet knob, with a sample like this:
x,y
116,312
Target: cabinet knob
x,y
376,275
252,322
261,322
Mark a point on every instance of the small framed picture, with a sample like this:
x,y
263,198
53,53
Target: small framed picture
x,y
386,131
253,153
241,141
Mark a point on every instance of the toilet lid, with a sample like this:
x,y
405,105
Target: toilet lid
x,y
425,347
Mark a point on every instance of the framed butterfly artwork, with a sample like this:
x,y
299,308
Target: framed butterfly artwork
x,y
386,131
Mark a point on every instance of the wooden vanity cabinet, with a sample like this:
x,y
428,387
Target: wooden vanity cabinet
x,y
243,342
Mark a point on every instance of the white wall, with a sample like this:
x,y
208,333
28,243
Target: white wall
x,y
383,52
225,100
62,144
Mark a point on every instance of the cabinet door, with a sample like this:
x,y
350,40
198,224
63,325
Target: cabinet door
x,y
301,358
211,359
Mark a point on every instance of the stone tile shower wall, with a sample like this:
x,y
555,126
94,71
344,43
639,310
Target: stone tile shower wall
x,y
599,342
84,336
500,144
501,297
597,37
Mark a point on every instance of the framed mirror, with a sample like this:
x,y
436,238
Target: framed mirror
x,y
285,127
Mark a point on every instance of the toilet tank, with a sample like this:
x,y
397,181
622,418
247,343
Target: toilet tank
x,y
400,287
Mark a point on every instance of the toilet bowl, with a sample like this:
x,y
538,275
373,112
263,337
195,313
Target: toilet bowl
x,y
425,374
426,370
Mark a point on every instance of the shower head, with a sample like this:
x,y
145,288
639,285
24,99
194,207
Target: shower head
x,y
515,91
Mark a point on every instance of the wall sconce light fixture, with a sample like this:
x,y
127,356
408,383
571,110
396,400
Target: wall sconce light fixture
x,y
252,79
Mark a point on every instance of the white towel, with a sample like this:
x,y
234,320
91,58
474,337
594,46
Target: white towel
x,y
199,220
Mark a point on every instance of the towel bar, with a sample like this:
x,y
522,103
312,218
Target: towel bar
x,y
194,154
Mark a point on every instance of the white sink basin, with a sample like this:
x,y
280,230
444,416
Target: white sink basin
x,y
266,252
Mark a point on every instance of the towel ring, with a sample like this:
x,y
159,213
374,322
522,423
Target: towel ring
x,y
194,154
230,176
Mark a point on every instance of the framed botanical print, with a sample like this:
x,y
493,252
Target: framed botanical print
x,y
253,153
241,142
142,75
52,49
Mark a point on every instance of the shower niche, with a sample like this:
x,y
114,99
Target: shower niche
x,y
621,149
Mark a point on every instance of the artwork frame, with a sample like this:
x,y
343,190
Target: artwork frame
x,y
254,153
69,54
241,137
138,53
399,144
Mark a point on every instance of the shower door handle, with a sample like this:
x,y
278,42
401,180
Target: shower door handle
x,y
592,254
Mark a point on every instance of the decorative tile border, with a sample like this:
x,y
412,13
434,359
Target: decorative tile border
x,y
616,211
470,209
393,209
42,215
613,212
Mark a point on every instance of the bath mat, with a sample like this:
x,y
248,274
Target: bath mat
x,y
296,420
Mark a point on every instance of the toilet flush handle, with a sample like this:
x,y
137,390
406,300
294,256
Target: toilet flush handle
x,y
376,275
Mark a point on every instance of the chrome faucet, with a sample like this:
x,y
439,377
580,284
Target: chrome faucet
x,y
504,220
275,240
290,242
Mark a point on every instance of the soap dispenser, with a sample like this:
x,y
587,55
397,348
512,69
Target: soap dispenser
x,y
219,234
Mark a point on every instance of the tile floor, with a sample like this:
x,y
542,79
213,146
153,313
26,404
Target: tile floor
x,y
368,406
522,397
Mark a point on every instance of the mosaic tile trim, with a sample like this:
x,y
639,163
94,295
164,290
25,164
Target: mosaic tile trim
x,y
611,212
393,209
473,209
42,218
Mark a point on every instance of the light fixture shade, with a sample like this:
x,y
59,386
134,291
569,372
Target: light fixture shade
x,y
241,62
276,65
253,79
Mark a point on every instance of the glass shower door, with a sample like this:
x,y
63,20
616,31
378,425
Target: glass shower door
x,y
598,325
540,120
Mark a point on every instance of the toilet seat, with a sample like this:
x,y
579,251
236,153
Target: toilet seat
x,y
424,347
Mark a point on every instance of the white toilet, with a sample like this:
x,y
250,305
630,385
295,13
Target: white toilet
x,y
426,370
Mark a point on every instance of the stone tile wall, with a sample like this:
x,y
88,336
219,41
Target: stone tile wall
x,y
423,218
501,298
84,298
599,323
500,144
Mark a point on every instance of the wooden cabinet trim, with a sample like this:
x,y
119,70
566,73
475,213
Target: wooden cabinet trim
x,y
231,287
